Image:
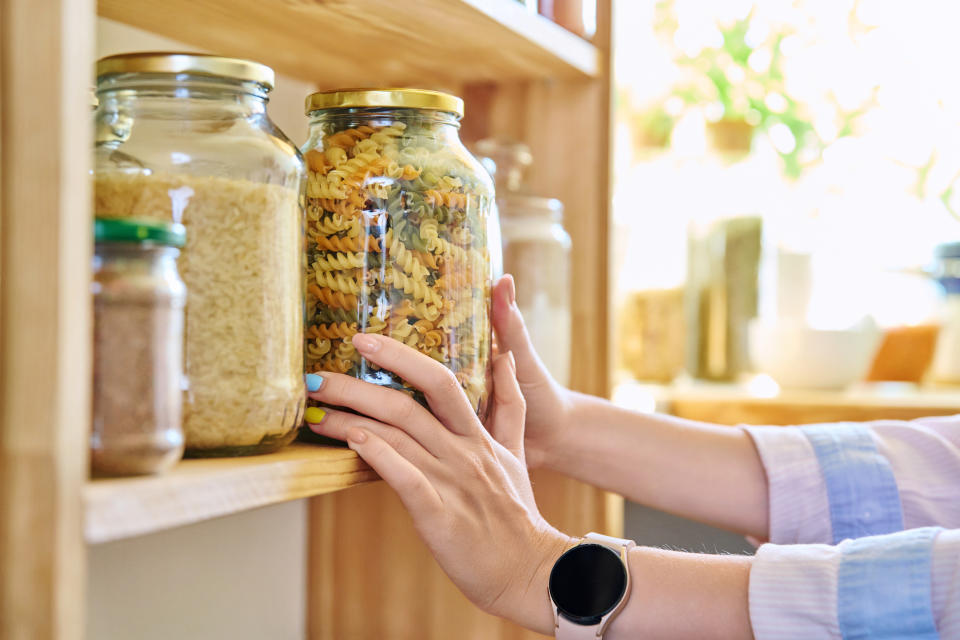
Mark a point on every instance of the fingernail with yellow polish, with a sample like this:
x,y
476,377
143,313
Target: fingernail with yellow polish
x,y
314,415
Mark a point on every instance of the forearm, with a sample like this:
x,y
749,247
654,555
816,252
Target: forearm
x,y
672,595
685,595
706,472
903,585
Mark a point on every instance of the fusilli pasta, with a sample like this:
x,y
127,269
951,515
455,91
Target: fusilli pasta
x,y
396,228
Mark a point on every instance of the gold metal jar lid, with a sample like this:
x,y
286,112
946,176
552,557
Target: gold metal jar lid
x,y
386,98
195,63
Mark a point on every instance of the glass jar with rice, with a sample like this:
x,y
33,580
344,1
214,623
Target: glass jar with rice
x,y
186,139
398,221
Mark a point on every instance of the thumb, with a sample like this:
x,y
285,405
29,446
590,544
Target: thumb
x,y
512,332
509,407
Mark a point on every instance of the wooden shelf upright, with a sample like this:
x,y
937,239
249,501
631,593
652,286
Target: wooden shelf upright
x,y
522,76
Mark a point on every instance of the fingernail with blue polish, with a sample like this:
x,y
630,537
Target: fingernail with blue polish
x,y
313,382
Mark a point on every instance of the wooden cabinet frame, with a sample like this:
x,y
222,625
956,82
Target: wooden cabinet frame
x,y
44,313
369,577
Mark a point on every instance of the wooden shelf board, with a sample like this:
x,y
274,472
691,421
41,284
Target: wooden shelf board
x,y
201,489
367,42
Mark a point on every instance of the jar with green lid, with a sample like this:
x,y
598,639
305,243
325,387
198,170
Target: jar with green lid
x,y
398,228
138,300
186,138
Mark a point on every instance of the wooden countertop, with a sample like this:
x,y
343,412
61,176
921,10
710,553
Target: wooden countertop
x,y
759,402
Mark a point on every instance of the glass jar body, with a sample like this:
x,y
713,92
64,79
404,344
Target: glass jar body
x,y
945,368
536,251
138,306
201,151
398,221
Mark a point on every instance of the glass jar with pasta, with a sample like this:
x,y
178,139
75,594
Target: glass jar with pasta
x,y
398,216
186,138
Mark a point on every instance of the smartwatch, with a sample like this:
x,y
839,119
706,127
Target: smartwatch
x,y
589,585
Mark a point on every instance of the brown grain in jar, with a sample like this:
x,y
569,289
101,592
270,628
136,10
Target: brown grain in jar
x,y
138,348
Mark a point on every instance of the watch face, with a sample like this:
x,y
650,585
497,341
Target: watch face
x,y
587,583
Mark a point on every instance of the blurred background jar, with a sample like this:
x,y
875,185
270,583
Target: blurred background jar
x,y
187,139
650,333
946,359
506,161
723,261
723,257
536,251
138,300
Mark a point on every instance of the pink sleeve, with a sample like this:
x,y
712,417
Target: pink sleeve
x,y
879,582
796,590
793,592
924,456
799,509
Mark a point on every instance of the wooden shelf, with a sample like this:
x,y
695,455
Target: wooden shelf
x,y
198,490
364,42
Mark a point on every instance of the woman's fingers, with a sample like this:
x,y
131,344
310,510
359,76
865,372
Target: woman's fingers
x,y
509,407
384,405
512,332
440,386
335,424
410,483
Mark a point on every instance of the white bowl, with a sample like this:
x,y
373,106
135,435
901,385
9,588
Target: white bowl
x,y
800,357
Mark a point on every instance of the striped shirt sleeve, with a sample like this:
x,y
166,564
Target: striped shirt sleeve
x,y
873,495
830,482
899,585
925,458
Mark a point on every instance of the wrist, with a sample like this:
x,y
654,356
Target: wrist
x,y
532,607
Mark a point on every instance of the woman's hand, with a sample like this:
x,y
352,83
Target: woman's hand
x,y
549,405
466,489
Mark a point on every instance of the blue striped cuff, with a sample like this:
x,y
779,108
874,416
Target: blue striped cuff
x,y
861,488
884,587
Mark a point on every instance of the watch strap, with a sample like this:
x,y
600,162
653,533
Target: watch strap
x,y
568,630
609,541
